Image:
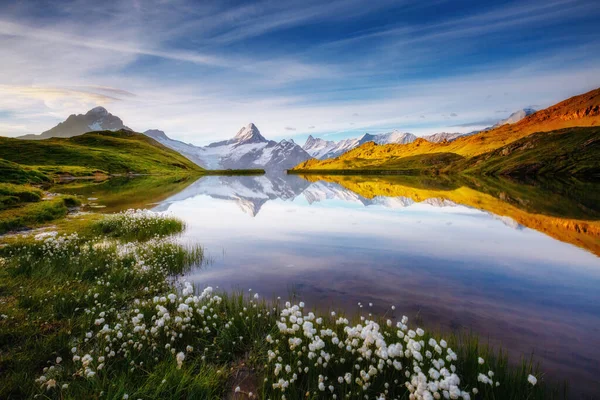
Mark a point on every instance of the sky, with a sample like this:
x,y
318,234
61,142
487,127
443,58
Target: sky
x,y
200,70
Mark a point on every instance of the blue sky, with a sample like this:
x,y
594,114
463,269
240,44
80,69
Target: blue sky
x,y
200,70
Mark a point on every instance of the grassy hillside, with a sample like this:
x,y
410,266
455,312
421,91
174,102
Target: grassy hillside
x,y
103,152
411,165
24,163
572,151
11,172
578,111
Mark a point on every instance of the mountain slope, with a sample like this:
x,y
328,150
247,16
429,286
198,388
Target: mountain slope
x,y
582,110
570,151
97,119
444,136
318,147
516,116
322,149
111,152
248,149
187,150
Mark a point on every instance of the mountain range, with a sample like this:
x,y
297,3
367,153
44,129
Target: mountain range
x,y
561,139
248,149
326,149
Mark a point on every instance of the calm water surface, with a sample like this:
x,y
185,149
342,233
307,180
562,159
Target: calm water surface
x,y
454,266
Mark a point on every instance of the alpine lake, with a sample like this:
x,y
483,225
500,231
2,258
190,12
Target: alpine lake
x,y
515,262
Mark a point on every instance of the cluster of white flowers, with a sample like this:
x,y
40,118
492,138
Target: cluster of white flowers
x,y
322,356
159,327
347,360
132,220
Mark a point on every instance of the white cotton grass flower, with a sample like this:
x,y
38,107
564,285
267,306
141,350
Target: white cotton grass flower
x,y
329,355
532,380
180,357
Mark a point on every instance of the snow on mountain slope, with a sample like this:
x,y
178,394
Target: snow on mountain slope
x,y
248,149
516,116
317,147
440,137
395,136
322,149
190,151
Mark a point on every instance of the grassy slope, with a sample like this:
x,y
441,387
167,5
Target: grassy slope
x,y
571,229
25,162
11,194
398,165
578,111
11,172
573,151
30,214
110,152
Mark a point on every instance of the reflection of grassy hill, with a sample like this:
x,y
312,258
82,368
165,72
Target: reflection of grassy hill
x,y
123,193
108,152
581,231
552,197
423,156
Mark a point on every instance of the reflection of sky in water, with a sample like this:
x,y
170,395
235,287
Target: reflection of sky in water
x,y
452,265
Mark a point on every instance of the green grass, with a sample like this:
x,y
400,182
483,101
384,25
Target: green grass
x,y
85,295
137,225
565,152
119,152
411,165
12,195
11,172
35,214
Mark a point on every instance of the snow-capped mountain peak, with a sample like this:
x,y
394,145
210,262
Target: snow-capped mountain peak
x,y
322,149
247,150
248,134
516,116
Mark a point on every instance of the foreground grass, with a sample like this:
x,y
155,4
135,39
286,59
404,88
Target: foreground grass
x,y
36,213
13,195
136,225
83,316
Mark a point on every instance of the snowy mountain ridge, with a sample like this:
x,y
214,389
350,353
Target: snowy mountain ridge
x,y
248,149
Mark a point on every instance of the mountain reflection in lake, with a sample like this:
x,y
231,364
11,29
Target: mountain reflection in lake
x,y
517,264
